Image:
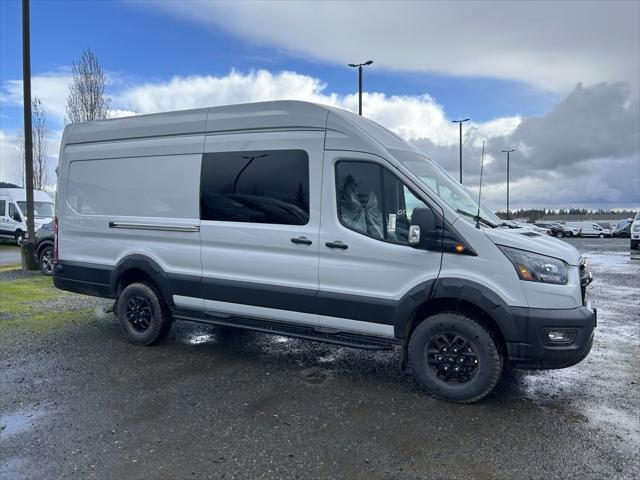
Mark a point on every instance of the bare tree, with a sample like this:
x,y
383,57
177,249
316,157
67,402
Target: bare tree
x,y
87,100
39,132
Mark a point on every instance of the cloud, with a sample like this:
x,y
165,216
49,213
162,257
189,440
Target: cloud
x,y
51,88
552,45
584,152
9,156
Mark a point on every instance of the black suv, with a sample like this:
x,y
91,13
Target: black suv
x,y
44,248
556,229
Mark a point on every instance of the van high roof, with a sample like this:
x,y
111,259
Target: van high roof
x,y
345,130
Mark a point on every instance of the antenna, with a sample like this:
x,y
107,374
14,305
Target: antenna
x,y
480,190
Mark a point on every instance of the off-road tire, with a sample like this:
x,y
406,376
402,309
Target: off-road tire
x,y
490,360
159,319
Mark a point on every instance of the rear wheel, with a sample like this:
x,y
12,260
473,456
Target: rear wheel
x,y
454,358
143,317
45,260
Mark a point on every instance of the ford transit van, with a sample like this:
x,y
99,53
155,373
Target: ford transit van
x,y
304,220
13,206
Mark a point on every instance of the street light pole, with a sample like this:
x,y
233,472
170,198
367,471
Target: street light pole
x,y
28,247
508,152
359,67
460,122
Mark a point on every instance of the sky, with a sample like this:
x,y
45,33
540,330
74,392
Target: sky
x,y
557,81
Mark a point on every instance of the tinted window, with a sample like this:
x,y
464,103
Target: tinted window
x,y
3,204
268,186
13,213
374,202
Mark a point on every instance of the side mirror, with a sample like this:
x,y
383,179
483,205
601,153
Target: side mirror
x,y
422,230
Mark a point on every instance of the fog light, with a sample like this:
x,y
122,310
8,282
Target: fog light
x,y
560,336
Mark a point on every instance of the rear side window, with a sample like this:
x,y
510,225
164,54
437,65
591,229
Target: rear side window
x,y
266,186
3,207
374,202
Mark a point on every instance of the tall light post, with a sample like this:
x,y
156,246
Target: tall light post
x,y
508,152
29,246
359,66
460,122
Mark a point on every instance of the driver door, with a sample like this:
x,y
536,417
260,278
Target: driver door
x,y
366,264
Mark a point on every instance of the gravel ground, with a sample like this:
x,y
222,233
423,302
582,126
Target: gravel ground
x,y
77,401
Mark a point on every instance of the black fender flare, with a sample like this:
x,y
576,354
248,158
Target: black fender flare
x,y
456,289
149,267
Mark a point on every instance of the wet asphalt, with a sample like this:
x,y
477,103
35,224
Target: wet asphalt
x,y
80,402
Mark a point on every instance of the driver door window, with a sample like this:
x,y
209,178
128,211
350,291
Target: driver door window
x,y
374,202
13,213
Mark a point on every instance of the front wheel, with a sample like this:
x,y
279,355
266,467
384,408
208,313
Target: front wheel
x,y
19,237
142,315
601,235
454,358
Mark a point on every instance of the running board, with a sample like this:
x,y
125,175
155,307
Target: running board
x,y
285,329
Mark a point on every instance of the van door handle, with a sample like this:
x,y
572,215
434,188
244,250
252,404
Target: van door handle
x,y
301,241
337,244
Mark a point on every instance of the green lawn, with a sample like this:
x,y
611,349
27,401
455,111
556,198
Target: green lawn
x,y
31,302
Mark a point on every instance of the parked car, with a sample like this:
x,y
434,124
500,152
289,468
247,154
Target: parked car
x,y
44,247
559,230
622,229
13,204
635,232
589,229
533,227
312,222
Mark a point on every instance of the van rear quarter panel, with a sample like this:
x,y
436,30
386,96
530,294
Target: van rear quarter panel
x,y
148,181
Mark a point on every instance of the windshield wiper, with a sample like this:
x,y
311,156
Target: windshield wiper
x,y
476,217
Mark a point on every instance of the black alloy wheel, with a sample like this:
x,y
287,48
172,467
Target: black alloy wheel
x,y
452,358
139,313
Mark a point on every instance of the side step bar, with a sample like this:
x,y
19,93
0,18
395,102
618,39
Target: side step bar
x,y
285,329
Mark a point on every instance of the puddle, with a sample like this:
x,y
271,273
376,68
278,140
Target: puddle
x,y
200,339
611,261
19,421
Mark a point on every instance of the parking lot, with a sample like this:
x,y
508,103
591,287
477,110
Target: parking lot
x,y
78,401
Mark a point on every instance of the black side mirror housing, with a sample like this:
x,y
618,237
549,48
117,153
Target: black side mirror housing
x,y
422,231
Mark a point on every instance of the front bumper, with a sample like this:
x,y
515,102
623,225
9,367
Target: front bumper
x,y
536,352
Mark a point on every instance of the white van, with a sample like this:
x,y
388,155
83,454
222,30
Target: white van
x,y
635,232
309,221
13,204
589,229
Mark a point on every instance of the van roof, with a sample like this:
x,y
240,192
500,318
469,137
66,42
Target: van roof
x,y
345,130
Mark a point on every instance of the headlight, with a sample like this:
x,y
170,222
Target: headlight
x,y
533,267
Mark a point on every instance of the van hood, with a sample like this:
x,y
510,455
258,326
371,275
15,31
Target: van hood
x,y
527,239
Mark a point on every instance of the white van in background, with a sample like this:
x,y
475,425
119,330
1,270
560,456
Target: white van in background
x,y
13,205
304,220
589,229
635,232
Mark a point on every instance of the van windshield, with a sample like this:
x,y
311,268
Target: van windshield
x,y
436,179
41,209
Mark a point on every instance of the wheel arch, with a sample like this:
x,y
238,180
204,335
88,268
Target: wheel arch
x,y
136,268
456,295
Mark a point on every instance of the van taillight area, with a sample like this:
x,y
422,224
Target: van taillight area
x,y
55,239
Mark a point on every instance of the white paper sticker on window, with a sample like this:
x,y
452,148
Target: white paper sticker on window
x,y
391,223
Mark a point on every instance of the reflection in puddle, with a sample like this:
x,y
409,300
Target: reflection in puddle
x,y
198,339
280,339
19,421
